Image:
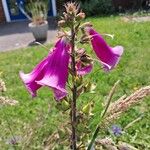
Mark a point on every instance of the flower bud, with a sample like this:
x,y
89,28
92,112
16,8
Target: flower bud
x,y
89,87
61,23
63,105
65,16
80,51
61,34
84,39
80,16
87,109
78,80
80,90
86,24
86,59
71,8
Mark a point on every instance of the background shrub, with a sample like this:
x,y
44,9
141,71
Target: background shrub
x,y
97,7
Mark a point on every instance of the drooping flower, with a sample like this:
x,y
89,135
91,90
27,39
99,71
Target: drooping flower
x,y
109,56
52,71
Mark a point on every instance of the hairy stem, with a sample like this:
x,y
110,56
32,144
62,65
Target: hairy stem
x,y
74,91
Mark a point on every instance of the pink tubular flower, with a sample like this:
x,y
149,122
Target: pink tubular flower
x,y
52,71
108,56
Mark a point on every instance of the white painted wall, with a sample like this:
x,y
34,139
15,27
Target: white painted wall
x,y
6,12
54,8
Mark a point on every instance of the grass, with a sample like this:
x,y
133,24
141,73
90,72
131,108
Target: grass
x,y
40,116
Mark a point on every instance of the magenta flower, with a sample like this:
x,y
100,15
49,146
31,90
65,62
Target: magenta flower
x,y
52,71
109,57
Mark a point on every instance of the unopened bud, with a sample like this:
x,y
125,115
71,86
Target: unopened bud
x,y
86,59
71,8
89,87
61,23
86,24
93,87
80,51
80,16
87,109
84,39
63,105
65,16
61,34
78,80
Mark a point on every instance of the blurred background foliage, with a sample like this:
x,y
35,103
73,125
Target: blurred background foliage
x,y
105,7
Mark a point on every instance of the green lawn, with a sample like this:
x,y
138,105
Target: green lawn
x,y
40,116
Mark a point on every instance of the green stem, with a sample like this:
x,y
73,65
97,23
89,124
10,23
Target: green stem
x,y
94,137
103,115
111,93
74,91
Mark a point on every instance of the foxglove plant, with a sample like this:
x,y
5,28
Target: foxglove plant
x,y
67,60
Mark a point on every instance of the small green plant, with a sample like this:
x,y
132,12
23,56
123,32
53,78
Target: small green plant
x,y
38,11
97,7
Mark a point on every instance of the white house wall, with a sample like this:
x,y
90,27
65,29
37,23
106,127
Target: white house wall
x,y
6,12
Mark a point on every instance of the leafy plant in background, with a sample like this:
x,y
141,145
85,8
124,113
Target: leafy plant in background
x,y
36,11
97,7
63,70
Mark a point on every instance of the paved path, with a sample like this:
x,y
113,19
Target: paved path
x,y
15,35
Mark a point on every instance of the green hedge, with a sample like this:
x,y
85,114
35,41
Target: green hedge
x,y
97,7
